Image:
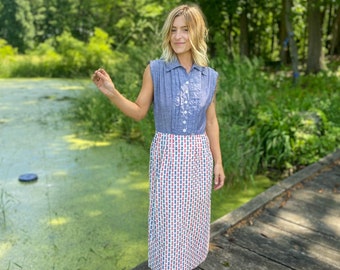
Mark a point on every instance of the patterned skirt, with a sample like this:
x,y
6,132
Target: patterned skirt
x,y
179,213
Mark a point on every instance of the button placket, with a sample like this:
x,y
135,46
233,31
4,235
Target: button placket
x,y
184,106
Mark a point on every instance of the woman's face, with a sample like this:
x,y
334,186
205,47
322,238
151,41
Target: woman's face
x,y
180,36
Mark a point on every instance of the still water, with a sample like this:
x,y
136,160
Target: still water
x,y
88,209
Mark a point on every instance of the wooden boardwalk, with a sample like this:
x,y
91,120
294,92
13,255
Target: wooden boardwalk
x,y
292,225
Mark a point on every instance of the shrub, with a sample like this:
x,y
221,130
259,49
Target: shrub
x,y
6,49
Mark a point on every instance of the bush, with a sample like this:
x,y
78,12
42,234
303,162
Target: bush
x,y
66,56
7,56
6,49
242,87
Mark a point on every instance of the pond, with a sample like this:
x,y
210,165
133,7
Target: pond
x,y
88,208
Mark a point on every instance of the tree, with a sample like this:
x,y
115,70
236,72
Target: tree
x,y
315,61
292,44
17,24
244,31
283,36
335,34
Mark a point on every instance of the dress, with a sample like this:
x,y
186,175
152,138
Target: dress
x,y
181,166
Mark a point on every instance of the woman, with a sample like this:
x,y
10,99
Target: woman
x,y
185,151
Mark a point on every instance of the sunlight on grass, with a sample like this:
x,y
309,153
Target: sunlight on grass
x,y
131,178
58,221
60,173
4,247
140,186
91,198
94,213
82,144
114,191
72,87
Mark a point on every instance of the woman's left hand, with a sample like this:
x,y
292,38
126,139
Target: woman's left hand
x,y
219,176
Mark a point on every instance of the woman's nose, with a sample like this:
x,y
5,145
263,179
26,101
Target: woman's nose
x,y
178,34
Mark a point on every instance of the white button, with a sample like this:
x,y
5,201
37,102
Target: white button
x,y
187,82
185,112
186,102
184,130
184,122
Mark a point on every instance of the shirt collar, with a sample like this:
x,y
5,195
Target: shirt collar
x,y
175,64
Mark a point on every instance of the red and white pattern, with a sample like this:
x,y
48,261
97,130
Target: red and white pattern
x,y
180,188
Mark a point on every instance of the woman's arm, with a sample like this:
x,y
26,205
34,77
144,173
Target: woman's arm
x,y
136,110
213,133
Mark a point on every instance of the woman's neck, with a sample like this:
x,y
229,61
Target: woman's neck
x,y
186,61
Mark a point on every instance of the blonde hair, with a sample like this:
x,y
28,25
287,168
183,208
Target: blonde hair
x,y
198,34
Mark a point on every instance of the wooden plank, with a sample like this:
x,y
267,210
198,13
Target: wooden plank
x,y
233,257
327,187
320,198
302,201
316,202
301,231
285,248
329,181
306,215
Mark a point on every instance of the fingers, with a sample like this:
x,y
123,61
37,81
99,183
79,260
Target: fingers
x,y
102,71
99,74
95,76
219,181
103,82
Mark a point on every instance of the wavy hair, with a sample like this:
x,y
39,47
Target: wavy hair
x,y
198,34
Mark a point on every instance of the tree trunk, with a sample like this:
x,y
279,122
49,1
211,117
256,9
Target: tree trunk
x,y
283,37
292,44
230,51
244,33
314,24
335,43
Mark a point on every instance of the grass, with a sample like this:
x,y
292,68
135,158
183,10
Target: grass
x,y
230,197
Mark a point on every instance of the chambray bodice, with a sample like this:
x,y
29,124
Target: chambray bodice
x,y
181,99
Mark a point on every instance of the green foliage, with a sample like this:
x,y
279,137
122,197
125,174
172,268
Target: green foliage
x,y
94,112
240,91
17,24
241,154
274,130
73,51
266,122
99,52
7,56
241,88
297,125
67,56
6,50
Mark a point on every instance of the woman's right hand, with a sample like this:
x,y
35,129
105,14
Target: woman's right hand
x,y
104,83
